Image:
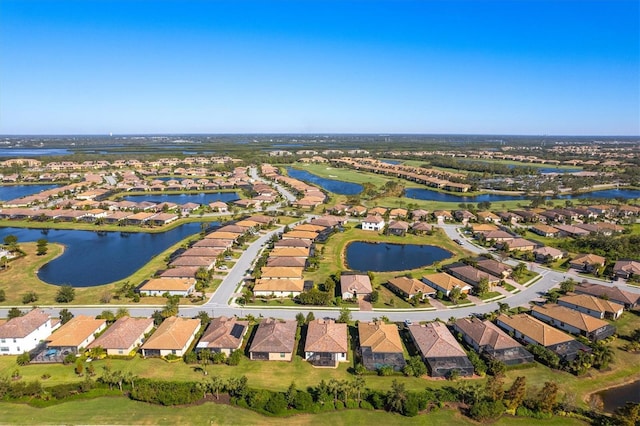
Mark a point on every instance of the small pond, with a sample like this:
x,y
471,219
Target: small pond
x,y
201,198
91,258
381,257
335,186
11,192
619,396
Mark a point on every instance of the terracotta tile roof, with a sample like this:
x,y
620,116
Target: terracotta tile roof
x,y
535,329
76,331
411,286
326,336
212,242
210,252
380,337
168,284
193,261
275,336
310,228
180,272
359,283
520,242
286,262
281,272
483,227
612,293
494,267
485,333
224,333
24,325
304,235
472,274
445,281
591,259
591,302
293,242
215,235
435,340
628,266
173,333
289,251
548,251
373,219
123,333
570,317
279,285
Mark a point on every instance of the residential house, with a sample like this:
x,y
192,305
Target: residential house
x,y
571,231
411,287
445,283
173,337
493,267
284,287
574,322
326,343
613,293
497,236
443,215
281,273
223,335
173,286
380,345
528,329
76,334
473,276
487,338
440,350
591,305
626,269
124,336
274,340
488,217
355,286
373,223
419,214
398,213
545,254
464,216
24,334
398,228
521,244
587,262
545,230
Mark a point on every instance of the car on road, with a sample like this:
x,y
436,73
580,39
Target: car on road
x,y
457,241
408,322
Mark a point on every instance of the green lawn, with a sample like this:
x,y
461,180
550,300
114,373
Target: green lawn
x,y
120,410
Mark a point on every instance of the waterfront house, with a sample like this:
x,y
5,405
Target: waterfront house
x,y
411,287
355,286
274,340
373,223
173,286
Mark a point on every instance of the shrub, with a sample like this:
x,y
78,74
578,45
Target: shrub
x,y
65,294
165,393
3,297
302,401
235,357
339,405
23,359
29,297
277,404
385,370
69,359
478,365
365,405
190,357
487,410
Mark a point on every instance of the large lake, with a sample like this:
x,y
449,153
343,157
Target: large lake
x,y
201,198
431,195
92,259
335,186
381,257
32,152
11,192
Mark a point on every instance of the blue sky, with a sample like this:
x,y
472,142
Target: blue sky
x,y
483,67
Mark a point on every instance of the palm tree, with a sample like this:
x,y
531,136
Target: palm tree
x,y
358,385
217,384
396,396
334,387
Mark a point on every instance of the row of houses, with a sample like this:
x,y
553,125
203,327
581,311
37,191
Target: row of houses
x,y
430,177
310,197
204,253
